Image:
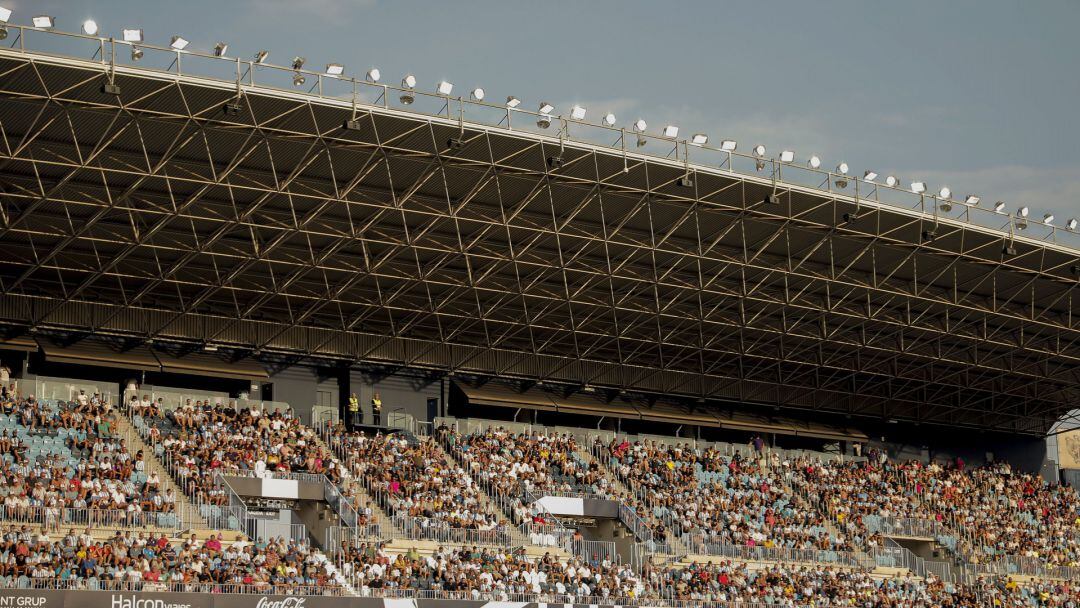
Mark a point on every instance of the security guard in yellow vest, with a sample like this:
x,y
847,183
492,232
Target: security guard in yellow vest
x,y
354,409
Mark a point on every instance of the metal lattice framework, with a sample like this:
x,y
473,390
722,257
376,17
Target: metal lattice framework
x,y
157,216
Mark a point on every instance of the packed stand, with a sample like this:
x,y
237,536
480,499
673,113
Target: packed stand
x,y
487,573
152,562
540,463
1004,512
712,499
198,440
62,463
415,481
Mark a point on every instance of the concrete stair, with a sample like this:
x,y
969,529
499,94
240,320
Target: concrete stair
x,y
621,489
516,537
124,428
357,493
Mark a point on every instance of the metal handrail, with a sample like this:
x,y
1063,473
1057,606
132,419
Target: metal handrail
x,y
354,92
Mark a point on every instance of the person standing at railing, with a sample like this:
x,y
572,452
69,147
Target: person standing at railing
x,y
354,410
376,409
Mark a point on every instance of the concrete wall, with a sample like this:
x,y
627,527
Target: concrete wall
x,y
403,393
300,386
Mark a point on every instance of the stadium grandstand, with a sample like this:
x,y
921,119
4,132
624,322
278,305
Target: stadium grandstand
x,y
353,343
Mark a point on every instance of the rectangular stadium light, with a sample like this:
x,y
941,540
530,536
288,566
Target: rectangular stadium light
x,y
577,113
918,187
43,21
334,69
729,145
546,108
671,131
971,200
699,139
178,43
133,35
869,175
5,14
787,156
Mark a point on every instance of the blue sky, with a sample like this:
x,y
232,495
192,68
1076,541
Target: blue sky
x,y
979,95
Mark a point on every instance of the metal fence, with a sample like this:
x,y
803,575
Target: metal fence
x,y
774,554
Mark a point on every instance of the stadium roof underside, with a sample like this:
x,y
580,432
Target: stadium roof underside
x,y
157,216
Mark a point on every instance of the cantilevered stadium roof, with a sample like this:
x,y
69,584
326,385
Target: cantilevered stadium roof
x,y
231,212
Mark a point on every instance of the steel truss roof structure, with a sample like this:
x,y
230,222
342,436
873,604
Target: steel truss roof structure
x,y
156,216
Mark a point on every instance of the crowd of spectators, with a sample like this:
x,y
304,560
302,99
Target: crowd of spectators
x,y
148,562
540,463
57,456
198,440
415,479
997,510
710,498
476,573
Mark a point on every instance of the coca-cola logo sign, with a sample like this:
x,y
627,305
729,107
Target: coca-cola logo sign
x,y
288,602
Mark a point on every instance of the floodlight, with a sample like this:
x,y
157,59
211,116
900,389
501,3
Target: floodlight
x,y
220,48
671,131
5,14
298,79
842,168
609,119
512,102
729,145
261,56
373,75
999,206
543,121
334,69
787,156
444,88
699,139
640,125
971,199
3,32
1021,223
944,206
945,192
1022,212
90,27
1048,218
546,108
44,21
178,43
1071,224
918,187
759,151
136,53
132,35
477,94
409,82
869,175
298,62
892,181
814,162
577,113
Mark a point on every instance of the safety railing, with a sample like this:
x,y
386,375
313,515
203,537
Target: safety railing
x,y
64,389
57,518
167,587
316,478
111,56
904,526
773,554
594,552
413,528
